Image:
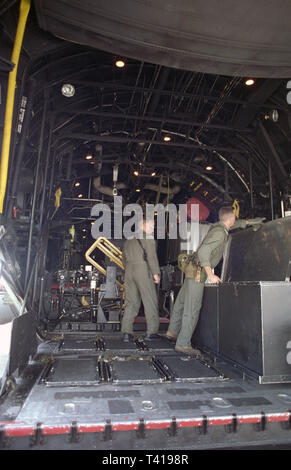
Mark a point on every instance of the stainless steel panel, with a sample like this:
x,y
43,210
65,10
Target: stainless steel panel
x,y
276,329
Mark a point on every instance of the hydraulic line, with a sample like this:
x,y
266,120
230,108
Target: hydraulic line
x,y
23,14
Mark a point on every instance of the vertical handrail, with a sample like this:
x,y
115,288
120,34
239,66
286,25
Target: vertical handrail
x,y
23,14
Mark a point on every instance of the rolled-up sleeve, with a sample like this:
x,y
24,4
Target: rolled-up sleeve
x,y
239,223
213,240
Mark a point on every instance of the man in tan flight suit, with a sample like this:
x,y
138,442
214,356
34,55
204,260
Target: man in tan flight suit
x,y
142,273
188,304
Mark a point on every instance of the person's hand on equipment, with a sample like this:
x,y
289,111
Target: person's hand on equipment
x,y
156,278
213,279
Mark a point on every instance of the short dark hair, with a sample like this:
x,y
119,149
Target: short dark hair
x,y
225,212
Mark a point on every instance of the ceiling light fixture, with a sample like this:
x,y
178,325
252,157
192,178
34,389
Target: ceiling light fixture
x,y
80,195
88,157
77,184
120,63
250,81
209,168
167,138
137,190
136,173
153,173
273,115
68,90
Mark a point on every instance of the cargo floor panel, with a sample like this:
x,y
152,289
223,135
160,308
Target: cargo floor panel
x,y
79,345
188,368
105,342
139,342
135,371
78,370
112,344
84,370
152,402
162,344
110,359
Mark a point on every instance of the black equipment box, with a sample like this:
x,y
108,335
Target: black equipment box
x,y
249,324
247,319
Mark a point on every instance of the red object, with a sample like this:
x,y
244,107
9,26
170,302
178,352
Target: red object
x,y
19,429
203,210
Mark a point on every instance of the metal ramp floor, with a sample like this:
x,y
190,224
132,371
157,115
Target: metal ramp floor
x,y
100,393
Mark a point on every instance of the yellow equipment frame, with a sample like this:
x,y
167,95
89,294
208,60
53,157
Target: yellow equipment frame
x,y
110,250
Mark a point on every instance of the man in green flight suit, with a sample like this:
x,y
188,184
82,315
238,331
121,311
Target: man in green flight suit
x,y
142,272
188,304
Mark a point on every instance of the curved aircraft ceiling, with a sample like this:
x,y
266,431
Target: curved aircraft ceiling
x,y
218,37
184,78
